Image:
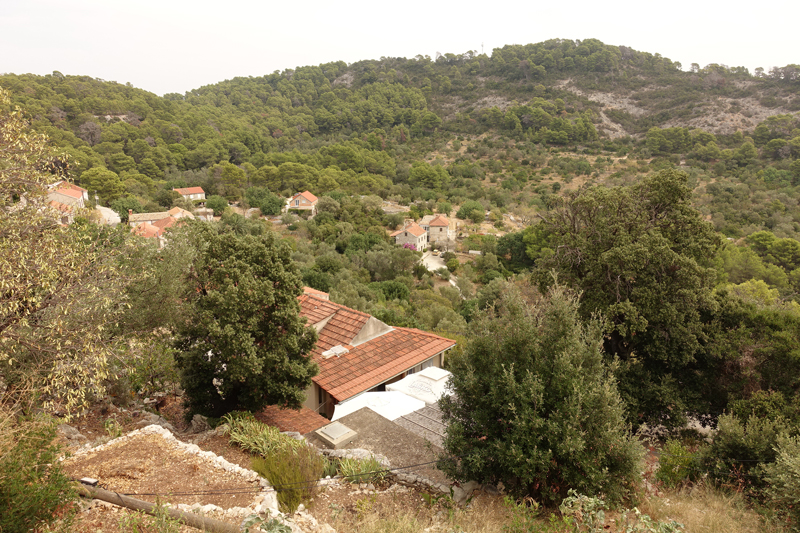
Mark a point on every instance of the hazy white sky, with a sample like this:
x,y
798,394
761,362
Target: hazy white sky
x,y
178,45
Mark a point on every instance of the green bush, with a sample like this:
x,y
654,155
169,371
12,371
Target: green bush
x,y
362,470
740,450
535,407
783,478
257,438
676,464
290,471
34,492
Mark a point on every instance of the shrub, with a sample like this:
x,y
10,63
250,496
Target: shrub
x,y
290,471
535,407
34,491
783,478
676,463
741,449
362,470
258,438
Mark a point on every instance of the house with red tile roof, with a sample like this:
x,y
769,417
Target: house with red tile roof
x,y
439,231
147,230
357,353
303,201
70,196
191,193
62,211
64,184
411,234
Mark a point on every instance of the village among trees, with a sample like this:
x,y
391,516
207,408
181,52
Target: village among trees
x,y
614,254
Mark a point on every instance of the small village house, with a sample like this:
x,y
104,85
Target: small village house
x,y
357,353
412,234
192,193
303,201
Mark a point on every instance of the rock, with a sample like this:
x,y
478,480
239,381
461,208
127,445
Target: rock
x,y
357,453
70,433
460,494
200,424
149,419
491,490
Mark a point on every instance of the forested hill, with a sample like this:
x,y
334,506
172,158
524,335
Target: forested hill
x,y
502,129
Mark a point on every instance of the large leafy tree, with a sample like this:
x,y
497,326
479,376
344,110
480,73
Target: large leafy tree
x,y
643,257
243,344
535,407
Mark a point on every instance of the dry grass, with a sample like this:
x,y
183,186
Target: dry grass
x,y
706,509
701,509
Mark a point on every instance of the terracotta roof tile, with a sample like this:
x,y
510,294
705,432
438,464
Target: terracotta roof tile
x,y
440,220
307,195
145,229
315,292
190,190
68,191
370,363
302,420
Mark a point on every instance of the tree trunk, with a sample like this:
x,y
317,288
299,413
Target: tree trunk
x,y
200,522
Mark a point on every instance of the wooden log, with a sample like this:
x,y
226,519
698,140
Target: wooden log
x,y
190,519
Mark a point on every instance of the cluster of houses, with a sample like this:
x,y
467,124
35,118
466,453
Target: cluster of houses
x,y
362,360
65,198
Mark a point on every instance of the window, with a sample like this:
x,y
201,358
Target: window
x,y
297,202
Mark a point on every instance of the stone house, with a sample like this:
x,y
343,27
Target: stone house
x,y
413,234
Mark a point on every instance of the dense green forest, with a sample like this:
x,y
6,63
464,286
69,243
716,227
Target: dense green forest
x,y
667,200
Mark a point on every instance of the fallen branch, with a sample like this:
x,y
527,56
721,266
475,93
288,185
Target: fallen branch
x,y
190,519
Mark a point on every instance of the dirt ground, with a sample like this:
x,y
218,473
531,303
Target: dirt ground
x,y
148,465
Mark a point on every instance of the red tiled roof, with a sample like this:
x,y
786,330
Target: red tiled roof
x,y
145,229
315,292
440,220
64,208
370,363
190,190
165,223
302,420
68,191
342,327
307,195
66,184
382,358
413,228
178,212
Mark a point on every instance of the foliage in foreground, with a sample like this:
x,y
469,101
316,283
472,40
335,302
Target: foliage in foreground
x,y
535,407
34,491
59,284
293,473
